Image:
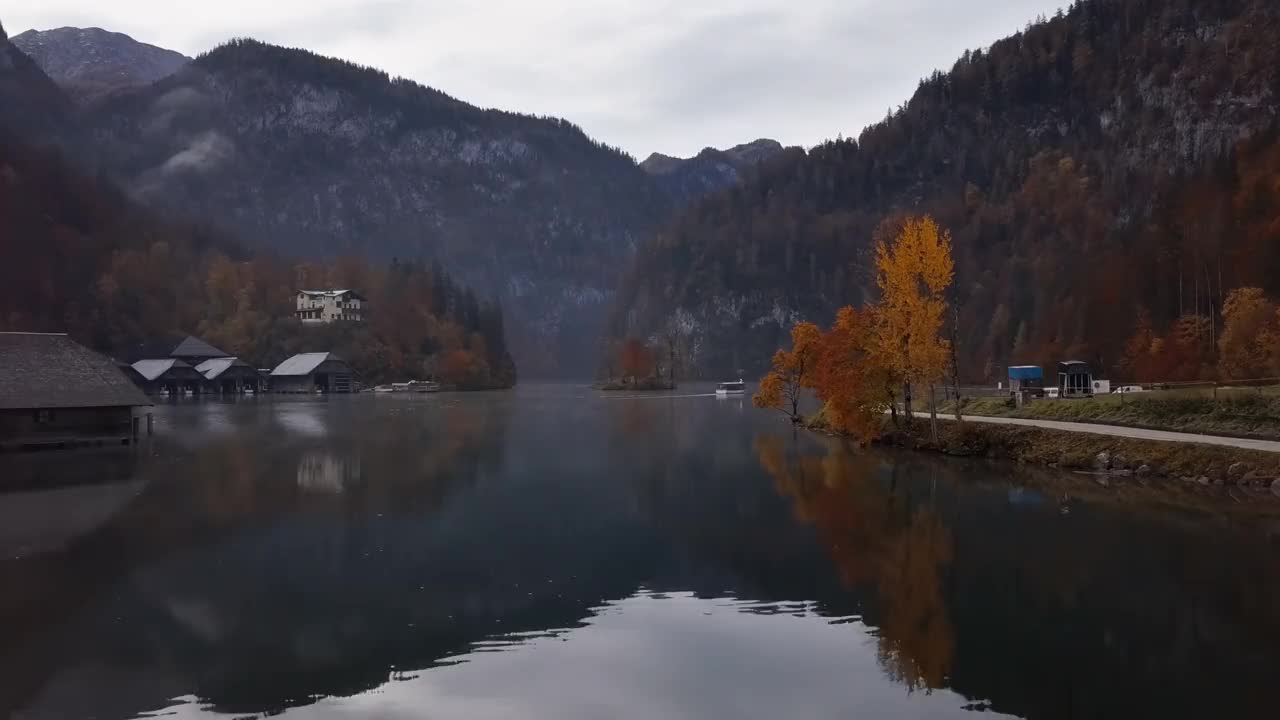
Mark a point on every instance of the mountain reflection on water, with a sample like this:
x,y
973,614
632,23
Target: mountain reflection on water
x,y
552,553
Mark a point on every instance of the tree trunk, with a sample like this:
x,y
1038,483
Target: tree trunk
x,y
893,407
906,401
933,413
955,362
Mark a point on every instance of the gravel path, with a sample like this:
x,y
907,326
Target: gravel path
x,y
1126,432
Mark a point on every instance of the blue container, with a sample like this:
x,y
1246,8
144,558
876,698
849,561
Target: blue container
x,y
1026,372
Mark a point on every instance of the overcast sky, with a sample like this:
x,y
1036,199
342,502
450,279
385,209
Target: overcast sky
x,y
666,75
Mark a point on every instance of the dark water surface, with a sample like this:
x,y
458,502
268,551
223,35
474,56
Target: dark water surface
x,y
549,553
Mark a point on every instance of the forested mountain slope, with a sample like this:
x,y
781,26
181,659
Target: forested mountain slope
x,y
29,101
316,157
78,256
1119,157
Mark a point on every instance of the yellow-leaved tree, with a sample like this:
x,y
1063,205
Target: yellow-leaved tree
x,y
914,272
792,372
1249,334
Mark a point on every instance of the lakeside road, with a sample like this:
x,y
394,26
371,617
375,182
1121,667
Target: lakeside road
x,y
1272,446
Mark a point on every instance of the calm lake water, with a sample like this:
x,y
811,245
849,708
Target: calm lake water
x,y
549,553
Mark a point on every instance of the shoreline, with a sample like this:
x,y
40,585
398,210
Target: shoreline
x,y
643,386
1218,478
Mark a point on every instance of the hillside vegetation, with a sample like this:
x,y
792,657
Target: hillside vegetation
x,y
1112,165
80,257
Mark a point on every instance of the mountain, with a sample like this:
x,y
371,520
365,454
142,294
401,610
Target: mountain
x,y
81,257
1113,162
316,157
91,62
690,179
30,103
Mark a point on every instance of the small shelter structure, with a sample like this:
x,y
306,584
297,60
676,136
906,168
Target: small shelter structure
x,y
229,375
313,372
1026,379
168,376
1075,379
57,392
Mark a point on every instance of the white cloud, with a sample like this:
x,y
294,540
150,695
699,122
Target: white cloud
x,y
665,75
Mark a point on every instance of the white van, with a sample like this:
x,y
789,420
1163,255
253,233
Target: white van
x,y
1126,389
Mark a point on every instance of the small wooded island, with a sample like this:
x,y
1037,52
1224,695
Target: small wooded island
x,y
635,366
649,384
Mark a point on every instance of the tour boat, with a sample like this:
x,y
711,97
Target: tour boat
x,y
726,389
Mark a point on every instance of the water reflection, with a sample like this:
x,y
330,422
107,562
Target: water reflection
x,y
881,540
716,658
980,584
552,554
327,472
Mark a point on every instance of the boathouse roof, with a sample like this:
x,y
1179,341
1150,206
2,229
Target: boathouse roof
x,y
304,364
153,368
214,368
182,348
41,370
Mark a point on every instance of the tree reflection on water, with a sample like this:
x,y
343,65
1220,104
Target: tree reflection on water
x,y
876,539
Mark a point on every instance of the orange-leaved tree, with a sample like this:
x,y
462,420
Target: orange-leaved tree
x,y
792,372
914,272
636,359
854,386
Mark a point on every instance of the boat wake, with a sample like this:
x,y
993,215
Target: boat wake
x,y
661,397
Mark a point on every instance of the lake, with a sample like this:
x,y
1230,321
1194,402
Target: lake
x,y
553,553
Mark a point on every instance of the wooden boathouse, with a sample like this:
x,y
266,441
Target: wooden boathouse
x,y
55,392
313,372
230,376
168,376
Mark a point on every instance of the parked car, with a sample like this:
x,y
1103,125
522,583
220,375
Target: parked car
x,y
1126,389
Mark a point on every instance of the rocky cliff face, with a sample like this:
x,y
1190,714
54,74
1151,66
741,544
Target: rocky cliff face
x,y
317,157
91,62
689,179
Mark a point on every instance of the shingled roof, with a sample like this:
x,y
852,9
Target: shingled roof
x,y
53,371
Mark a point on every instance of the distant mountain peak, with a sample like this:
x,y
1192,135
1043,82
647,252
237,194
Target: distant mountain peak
x,y
93,62
746,153
687,179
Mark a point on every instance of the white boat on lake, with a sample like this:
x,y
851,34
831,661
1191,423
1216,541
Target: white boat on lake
x,y
726,389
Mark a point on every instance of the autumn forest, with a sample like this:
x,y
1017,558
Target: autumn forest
x,y
1107,177
1105,181
79,257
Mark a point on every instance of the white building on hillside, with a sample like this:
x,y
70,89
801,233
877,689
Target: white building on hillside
x,y
326,306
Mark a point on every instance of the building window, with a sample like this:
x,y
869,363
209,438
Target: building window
x,y
43,417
